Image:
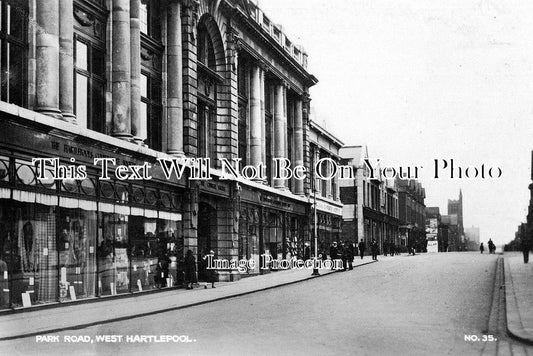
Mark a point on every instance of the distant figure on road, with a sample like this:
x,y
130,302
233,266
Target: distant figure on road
x,y
526,246
492,247
481,248
374,249
362,248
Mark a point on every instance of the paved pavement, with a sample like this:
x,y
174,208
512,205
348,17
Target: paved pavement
x,y
39,321
519,296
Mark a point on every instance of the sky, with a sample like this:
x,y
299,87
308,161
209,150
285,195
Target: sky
x,y
420,80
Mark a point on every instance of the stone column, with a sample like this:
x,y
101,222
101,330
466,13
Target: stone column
x,y
121,69
255,116
135,32
66,61
279,130
47,76
175,80
298,145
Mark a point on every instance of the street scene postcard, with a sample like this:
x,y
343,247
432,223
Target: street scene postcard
x,y
266,177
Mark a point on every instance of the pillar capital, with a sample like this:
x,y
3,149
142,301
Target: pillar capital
x,y
264,67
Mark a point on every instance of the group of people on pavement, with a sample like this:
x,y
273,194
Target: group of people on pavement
x,y
344,251
492,247
347,251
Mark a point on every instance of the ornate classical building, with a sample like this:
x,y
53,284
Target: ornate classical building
x,y
130,82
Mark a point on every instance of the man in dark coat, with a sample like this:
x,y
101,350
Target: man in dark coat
x,y
347,255
190,269
374,248
362,248
210,273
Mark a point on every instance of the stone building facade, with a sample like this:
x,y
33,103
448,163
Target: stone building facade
x,y
412,213
324,149
455,208
130,82
370,205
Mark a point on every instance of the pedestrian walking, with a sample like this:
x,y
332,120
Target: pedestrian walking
x,y
526,246
190,269
307,251
362,248
374,248
481,248
347,256
211,273
492,247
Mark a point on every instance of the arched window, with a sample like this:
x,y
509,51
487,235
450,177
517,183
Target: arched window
x,y
207,93
206,52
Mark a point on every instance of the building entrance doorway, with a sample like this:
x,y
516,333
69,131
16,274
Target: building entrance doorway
x,y
207,237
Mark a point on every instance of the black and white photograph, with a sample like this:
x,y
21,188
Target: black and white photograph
x,y
266,177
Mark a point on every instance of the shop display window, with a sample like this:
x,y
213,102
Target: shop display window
x,y
112,252
77,256
249,241
28,258
154,245
55,247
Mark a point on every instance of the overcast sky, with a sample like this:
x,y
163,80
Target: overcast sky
x,y
423,80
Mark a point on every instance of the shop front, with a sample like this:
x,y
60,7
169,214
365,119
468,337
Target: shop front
x,y
71,239
272,225
329,219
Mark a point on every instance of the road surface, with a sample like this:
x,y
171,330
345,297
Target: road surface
x,y
433,304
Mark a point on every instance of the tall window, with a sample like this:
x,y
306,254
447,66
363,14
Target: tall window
x,y
291,107
151,127
151,78
207,90
206,114
13,50
242,87
89,65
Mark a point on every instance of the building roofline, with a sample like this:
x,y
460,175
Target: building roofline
x,y
325,132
